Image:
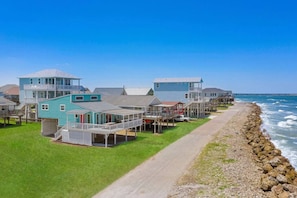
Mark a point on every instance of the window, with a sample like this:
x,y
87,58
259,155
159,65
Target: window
x,y
31,81
39,81
79,98
62,107
157,84
186,95
94,97
67,81
44,107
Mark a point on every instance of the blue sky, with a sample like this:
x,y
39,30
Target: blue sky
x,y
243,46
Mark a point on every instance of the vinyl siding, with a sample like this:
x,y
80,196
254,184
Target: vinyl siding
x,y
54,112
175,86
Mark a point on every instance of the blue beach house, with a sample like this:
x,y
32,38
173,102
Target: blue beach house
x,y
178,89
43,85
80,118
186,90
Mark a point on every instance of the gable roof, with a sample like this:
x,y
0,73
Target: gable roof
x,y
6,102
138,91
49,73
176,80
97,106
212,90
10,89
110,91
136,101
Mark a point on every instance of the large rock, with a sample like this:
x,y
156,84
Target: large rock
x,y
281,179
278,173
275,161
267,182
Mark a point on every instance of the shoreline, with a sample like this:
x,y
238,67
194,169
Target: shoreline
x,y
240,161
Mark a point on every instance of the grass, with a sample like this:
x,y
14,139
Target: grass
x,y
210,161
224,107
33,166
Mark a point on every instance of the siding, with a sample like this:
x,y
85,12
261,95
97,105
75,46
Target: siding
x,y
49,126
172,96
54,110
175,86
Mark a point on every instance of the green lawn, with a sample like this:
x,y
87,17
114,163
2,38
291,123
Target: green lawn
x,y
33,166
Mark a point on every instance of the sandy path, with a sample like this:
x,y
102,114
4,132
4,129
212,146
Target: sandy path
x,y
156,176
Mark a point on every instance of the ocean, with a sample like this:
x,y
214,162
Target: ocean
x,y
279,116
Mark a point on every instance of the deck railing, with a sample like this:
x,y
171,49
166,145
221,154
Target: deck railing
x,y
33,100
49,87
58,134
106,126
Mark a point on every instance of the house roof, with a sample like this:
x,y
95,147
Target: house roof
x,y
212,90
138,91
102,107
124,100
110,91
10,89
169,80
97,106
6,102
122,112
173,103
49,73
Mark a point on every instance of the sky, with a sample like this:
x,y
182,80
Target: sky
x,y
246,46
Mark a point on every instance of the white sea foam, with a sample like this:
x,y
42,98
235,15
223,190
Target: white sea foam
x,y
280,110
284,124
283,105
291,117
287,152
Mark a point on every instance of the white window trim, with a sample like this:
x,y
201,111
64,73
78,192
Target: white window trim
x,y
76,98
94,98
45,107
62,105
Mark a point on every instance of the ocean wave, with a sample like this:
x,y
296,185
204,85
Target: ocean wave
x,y
285,124
287,151
284,106
291,117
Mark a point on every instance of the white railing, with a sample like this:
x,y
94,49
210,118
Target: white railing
x,y
40,87
49,87
59,132
33,100
106,126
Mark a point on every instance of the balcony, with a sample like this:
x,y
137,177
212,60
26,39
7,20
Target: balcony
x,y
49,87
33,100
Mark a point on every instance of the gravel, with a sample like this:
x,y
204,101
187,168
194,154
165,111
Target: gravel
x,y
225,168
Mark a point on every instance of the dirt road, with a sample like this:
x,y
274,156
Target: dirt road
x,y
156,176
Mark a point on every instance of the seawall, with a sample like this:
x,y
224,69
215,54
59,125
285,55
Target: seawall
x,y
279,177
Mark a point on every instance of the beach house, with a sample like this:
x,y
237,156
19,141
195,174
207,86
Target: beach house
x,y
7,108
224,96
10,92
43,85
155,111
185,90
82,118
